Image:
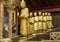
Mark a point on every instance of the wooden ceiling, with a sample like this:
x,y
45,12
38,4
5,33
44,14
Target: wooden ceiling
x,y
42,4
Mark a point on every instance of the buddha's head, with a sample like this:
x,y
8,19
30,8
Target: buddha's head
x,y
31,14
46,13
39,13
49,14
35,13
43,14
23,4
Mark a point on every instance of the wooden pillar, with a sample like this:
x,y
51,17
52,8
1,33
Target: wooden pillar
x,y
14,16
1,19
10,23
17,22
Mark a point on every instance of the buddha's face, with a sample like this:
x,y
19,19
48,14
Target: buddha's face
x,y
39,13
49,14
45,13
23,4
35,14
31,14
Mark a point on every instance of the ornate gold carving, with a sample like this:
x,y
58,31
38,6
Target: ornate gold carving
x,y
55,35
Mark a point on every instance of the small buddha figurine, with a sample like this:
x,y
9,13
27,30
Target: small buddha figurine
x,y
36,27
44,22
40,16
24,19
46,15
49,18
40,22
31,19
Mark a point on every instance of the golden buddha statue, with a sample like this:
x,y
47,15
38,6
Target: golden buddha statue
x,y
40,22
40,16
44,22
24,19
49,23
46,14
36,27
31,21
31,18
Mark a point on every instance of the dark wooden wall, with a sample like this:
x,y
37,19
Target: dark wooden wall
x,y
56,19
42,4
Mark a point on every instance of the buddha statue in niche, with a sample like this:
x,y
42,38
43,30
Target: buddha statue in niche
x,y
24,19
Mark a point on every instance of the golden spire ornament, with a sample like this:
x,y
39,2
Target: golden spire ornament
x,y
23,4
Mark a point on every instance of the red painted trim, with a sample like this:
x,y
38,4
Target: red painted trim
x,y
48,9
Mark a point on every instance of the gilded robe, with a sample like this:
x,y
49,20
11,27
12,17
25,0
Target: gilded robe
x,y
44,22
31,24
24,21
49,22
36,25
40,22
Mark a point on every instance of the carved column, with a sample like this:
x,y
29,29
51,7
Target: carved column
x,y
14,16
1,19
17,22
10,23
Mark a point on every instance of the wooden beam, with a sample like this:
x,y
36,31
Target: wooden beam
x,y
43,8
47,10
51,10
